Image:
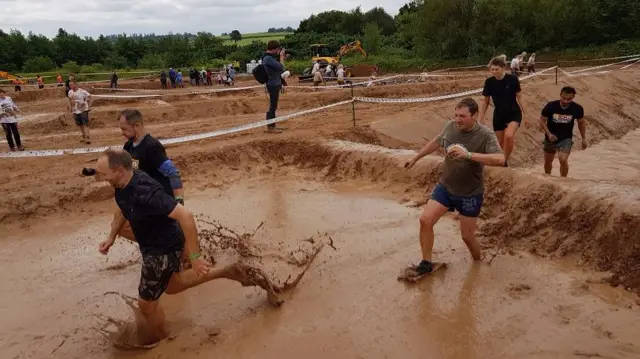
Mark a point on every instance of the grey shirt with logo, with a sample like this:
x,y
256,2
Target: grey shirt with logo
x,y
463,177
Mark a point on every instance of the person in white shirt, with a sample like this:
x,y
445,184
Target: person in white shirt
x,y
9,122
316,67
515,66
531,64
79,102
340,74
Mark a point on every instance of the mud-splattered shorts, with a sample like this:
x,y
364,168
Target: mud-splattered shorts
x,y
468,206
156,274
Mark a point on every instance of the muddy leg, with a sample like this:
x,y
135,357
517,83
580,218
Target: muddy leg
x,y
509,139
154,330
433,211
548,161
468,231
563,157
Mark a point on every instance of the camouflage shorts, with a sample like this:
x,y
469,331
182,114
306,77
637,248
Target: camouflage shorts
x,y
157,271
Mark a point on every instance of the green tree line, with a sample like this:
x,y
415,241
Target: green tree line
x,y
423,31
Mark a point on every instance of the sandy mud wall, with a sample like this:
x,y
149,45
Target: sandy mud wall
x,y
542,215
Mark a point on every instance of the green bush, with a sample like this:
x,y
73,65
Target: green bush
x,y
153,61
71,67
38,64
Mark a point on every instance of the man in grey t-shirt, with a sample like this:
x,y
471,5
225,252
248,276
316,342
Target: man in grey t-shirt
x,y
469,146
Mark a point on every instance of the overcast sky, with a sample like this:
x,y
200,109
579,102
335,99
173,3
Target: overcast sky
x,y
95,17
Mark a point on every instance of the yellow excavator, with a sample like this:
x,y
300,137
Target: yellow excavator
x,y
7,76
322,55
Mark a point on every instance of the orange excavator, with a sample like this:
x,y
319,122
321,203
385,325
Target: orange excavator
x,y
321,54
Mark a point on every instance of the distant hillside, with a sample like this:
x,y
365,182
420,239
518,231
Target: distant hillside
x,y
256,36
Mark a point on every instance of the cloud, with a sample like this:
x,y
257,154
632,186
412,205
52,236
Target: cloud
x,y
95,17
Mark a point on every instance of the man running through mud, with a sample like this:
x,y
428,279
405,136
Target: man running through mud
x,y
79,103
509,110
163,228
149,156
557,120
469,146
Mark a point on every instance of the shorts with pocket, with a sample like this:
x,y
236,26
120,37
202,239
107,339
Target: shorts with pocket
x,y
501,120
561,145
468,206
81,119
157,270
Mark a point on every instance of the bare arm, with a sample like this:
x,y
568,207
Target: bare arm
x,y
189,228
543,126
521,104
116,225
484,105
426,150
488,159
582,126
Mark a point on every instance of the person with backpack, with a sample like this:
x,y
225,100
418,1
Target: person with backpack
x,y
272,66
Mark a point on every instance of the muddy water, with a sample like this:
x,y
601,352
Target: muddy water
x,y
349,305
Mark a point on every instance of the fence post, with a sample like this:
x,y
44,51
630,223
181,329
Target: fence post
x,y
353,107
557,64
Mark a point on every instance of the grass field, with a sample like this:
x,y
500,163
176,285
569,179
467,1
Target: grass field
x,y
257,36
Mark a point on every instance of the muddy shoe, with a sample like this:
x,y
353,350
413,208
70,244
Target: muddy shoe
x,y
273,130
250,276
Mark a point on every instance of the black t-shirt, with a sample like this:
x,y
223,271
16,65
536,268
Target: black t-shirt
x,y
503,93
147,207
560,120
148,156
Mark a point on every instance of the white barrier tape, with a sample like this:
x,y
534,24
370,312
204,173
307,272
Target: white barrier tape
x,y
603,66
200,136
436,98
183,93
631,64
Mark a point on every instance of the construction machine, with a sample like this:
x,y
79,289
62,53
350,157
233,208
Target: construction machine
x,y
322,55
7,76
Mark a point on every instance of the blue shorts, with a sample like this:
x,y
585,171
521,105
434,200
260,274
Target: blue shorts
x,y
468,206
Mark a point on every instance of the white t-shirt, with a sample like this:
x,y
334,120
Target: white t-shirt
x,y
315,69
80,100
515,63
340,74
6,108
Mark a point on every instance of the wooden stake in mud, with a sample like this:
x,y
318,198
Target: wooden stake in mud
x,y
353,107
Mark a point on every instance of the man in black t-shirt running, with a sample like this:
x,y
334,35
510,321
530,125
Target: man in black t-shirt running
x,y
149,156
163,228
508,110
557,121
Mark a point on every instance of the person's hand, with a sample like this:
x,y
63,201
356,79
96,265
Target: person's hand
x,y
201,266
410,164
104,246
552,137
585,143
457,151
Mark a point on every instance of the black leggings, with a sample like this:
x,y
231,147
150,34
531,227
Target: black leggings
x,y
11,130
274,96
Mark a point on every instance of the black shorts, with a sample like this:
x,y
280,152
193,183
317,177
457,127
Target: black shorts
x,y
82,119
157,270
501,120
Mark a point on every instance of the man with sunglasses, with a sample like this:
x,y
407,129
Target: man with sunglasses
x,y
557,122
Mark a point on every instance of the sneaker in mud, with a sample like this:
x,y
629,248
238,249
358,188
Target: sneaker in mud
x,y
506,164
425,267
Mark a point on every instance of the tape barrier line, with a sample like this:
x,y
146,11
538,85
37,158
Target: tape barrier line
x,y
437,98
182,139
184,93
631,64
606,65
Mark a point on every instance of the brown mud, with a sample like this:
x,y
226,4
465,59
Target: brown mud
x,y
561,254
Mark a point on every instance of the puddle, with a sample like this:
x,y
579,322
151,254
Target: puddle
x,y
349,304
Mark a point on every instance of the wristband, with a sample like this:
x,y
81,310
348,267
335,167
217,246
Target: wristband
x,y
469,155
194,256
179,200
